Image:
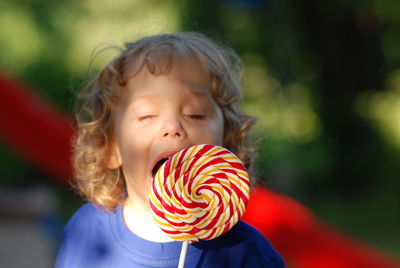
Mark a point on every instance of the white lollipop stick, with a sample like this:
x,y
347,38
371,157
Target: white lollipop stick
x,y
209,179
183,254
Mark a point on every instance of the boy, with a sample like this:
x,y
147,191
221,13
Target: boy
x,y
162,94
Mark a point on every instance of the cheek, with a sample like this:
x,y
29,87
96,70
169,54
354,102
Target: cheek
x,y
218,128
219,134
131,144
213,133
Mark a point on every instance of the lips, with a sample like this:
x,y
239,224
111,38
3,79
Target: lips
x,y
161,159
158,165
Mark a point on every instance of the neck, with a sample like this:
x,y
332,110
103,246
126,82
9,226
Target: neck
x,y
138,218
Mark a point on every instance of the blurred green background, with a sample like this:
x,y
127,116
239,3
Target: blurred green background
x,y
323,77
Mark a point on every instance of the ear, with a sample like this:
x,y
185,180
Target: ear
x,y
113,160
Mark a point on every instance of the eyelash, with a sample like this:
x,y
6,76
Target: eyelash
x,y
191,116
197,116
145,117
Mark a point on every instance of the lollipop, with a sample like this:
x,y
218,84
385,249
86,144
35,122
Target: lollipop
x,y
200,192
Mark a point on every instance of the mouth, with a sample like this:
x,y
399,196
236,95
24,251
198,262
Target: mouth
x,y
158,165
163,157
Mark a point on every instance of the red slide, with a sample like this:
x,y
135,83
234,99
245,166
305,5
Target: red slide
x,y
42,135
303,240
34,129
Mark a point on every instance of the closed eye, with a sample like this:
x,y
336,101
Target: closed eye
x,y
146,117
197,116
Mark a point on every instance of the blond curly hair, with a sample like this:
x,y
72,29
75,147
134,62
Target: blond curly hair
x,y
105,186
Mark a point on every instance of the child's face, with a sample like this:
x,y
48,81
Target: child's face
x,y
160,115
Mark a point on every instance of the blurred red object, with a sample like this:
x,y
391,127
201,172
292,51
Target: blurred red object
x,y
303,240
34,129
43,136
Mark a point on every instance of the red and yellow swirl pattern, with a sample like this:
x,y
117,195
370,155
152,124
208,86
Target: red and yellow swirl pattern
x,y
201,192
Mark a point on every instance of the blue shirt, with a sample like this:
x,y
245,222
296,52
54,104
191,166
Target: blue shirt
x,y
96,238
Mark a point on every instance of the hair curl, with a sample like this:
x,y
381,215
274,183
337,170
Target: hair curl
x,y
105,186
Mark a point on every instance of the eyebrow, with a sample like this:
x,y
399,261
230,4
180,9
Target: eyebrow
x,y
199,91
196,91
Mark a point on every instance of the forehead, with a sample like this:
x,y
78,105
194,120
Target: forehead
x,y
178,60
186,78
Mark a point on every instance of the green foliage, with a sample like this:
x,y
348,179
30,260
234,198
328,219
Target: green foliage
x,y
322,77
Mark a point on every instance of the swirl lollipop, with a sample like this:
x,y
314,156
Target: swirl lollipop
x,y
201,192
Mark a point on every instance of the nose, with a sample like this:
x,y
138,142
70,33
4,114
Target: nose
x,y
173,128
